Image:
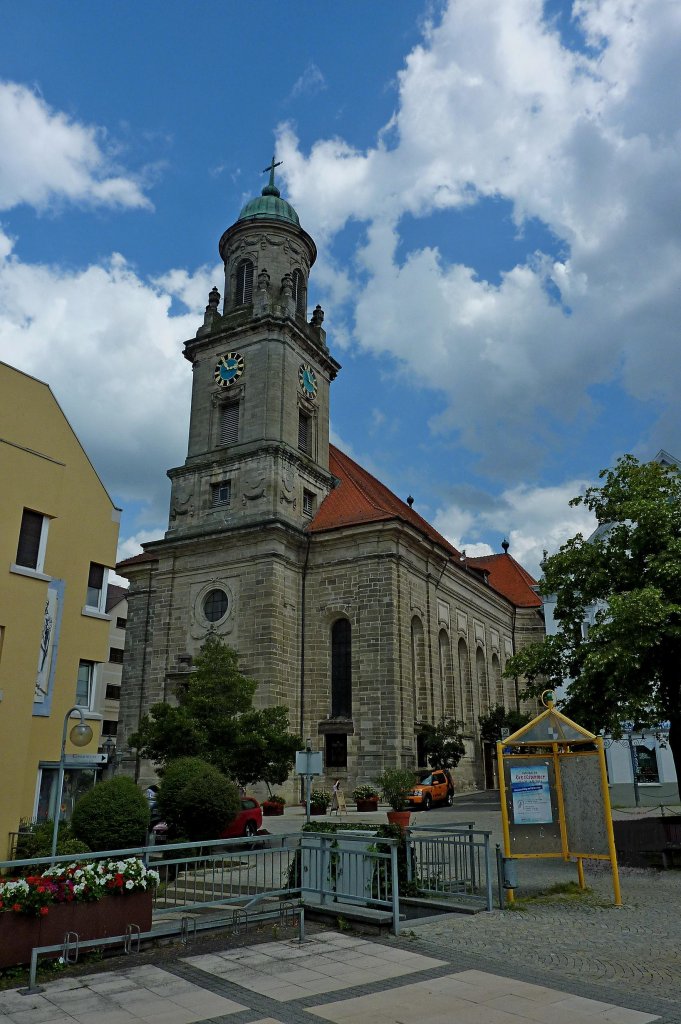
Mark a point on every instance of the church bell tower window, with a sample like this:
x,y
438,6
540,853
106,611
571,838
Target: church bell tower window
x,y
305,432
229,423
244,283
299,296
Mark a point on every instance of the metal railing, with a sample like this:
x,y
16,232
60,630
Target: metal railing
x,y
453,864
261,871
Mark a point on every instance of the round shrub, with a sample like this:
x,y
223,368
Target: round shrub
x,y
114,815
36,841
196,799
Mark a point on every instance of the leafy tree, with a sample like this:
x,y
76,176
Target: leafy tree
x,y
112,815
196,800
215,720
626,668
442,745
497,719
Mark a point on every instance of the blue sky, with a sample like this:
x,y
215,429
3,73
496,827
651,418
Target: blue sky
x,y
494,190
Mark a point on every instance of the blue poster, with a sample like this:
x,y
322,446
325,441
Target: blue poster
x,y
531,795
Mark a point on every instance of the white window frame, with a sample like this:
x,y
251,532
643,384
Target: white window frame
x,y
100,607
27,570
91,684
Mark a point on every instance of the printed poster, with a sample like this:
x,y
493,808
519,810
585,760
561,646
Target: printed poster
x,y
531,795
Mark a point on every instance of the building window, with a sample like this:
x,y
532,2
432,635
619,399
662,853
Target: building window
x,y
308,503
215,605
113,692
116,655
221,494
304,432
244,283
341,670
121,623
95,587
299,296
646,761
336,750
229,423
84,685
109,726
32,540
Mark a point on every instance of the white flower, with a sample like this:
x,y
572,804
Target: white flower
x,y
130,884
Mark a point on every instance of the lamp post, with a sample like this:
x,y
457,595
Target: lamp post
x,y
629,730
80,736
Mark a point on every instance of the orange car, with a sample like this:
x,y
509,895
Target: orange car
x,y
433,785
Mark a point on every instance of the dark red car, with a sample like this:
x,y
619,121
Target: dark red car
x,y
248,821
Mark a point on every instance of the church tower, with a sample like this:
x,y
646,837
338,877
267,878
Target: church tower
x,y
259,427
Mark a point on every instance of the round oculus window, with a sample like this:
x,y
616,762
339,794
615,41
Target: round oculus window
x,y
215,605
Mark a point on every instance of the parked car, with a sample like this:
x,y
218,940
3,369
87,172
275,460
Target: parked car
x,y
248,821
433,785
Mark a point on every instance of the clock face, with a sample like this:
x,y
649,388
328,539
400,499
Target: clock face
x,y
308,380
228,369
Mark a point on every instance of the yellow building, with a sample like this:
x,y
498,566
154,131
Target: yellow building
x,y
58,536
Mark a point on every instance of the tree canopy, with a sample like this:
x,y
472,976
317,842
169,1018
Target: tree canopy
x,y
215,719
442,744
627,579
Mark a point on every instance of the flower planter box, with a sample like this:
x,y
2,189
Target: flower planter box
x,y
270,810
368,804
20,933
315,809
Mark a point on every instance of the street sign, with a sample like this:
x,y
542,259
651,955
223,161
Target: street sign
x,y
309,762
84,760
505,732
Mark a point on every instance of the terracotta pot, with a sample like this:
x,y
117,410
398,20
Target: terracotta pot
x,y
271,810
401,818
19,933
367,804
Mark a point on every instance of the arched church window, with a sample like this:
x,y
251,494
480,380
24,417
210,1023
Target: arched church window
x,y
244,283
341,669
466,684
418,671
483,688
299,296
446,675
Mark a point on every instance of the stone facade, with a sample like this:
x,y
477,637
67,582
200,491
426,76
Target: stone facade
x,y
270,544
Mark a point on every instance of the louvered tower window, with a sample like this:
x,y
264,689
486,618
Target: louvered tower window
x,y
244,283
299,296
229,423
304,432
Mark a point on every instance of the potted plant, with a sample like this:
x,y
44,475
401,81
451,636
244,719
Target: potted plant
x,y
366,798
273,805
396,785
94,898
319,801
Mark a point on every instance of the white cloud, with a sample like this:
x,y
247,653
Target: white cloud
x,y
491,104
47,157
310,82
105,341
533,519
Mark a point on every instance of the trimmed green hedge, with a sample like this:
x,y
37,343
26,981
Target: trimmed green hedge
x,y
113,815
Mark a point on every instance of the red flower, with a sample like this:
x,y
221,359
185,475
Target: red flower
x,y
44,911
16,908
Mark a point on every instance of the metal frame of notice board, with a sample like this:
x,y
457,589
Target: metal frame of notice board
x,y
555,801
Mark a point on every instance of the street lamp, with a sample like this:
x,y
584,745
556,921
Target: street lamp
x,y
80,736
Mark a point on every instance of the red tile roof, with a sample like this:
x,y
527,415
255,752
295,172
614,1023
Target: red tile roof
x,y
114,594
361,498
135,560
509,578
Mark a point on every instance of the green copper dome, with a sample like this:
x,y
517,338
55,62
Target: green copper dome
x,y
270,204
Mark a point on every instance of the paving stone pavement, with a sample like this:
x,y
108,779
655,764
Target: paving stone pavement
x,y
345,979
